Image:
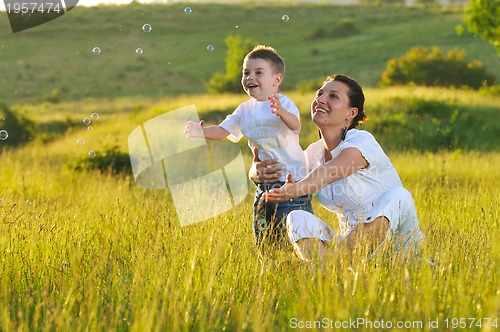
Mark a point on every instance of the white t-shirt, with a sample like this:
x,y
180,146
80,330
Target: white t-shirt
x,y
352,197
267,132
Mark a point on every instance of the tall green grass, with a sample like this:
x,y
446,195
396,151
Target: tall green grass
x,y
92,251
87,251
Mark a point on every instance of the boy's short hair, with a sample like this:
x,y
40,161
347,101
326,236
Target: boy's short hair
x,y
270,55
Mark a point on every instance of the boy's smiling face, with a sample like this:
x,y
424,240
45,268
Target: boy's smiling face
x,y
258,79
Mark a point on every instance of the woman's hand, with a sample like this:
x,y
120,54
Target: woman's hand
x,y
267,171
288,191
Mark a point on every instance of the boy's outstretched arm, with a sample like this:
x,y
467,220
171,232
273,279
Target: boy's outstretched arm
x,y
197,130
290,120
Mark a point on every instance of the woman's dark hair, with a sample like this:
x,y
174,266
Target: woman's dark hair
x,y
356,97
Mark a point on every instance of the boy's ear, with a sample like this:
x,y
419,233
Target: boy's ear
x,y
278,79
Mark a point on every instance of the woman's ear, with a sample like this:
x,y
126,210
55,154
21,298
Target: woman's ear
x,y
353,113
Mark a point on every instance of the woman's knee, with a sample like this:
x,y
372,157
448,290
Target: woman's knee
x,y
402,197
401,192
296,216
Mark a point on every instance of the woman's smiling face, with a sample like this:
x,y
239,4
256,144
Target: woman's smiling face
x,y
331,105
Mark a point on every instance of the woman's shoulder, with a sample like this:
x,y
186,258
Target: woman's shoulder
x,y
314,153
366,143
316,147
359,134
357,137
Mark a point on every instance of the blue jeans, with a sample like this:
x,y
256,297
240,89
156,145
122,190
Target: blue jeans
x,y
269,218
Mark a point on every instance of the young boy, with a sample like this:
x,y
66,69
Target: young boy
x,y
271,122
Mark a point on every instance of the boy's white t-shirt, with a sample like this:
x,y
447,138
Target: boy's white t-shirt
x,y
267,132
353,196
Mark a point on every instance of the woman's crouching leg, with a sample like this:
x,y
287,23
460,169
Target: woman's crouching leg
x,y
310,250
308,235
367,237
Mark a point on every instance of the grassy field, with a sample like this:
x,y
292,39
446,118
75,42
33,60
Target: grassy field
x,y
92,251
55,61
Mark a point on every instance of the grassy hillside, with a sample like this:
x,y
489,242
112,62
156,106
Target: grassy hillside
x,y
55,61
402,119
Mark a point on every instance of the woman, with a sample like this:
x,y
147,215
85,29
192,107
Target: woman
x,y
352,177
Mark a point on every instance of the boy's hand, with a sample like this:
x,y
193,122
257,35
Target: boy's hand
x,y
290,120
194,130
276,107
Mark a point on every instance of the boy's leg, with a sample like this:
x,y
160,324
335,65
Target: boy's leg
x,y
264,213
269,218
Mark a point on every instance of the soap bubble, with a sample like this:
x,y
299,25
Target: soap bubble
x,y
91,154
90,128
139,51
96,50
210,48
94,116
188,10
80,141
147,28
87,121
285,18
3,134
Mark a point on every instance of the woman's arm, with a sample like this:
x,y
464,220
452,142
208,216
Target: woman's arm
x,y
346,163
